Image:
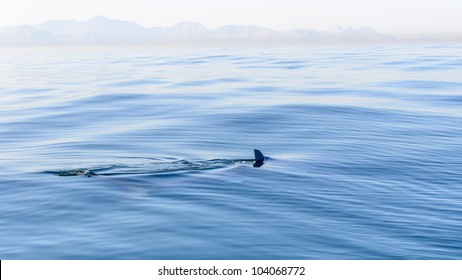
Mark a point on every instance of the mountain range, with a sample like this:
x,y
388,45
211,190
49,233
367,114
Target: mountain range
x,y
104,31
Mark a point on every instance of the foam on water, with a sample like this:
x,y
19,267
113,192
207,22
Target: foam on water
x,y
152,167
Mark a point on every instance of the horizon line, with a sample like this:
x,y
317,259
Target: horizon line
x,y
398,34
59,34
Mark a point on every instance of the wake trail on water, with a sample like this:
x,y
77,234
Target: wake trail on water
x,y
151,168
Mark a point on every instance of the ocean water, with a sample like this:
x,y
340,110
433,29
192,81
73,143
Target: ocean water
x,y
364,147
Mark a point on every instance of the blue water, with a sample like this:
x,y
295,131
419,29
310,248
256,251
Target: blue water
x,y
364,147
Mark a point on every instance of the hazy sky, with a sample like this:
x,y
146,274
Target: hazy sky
x,y
388,16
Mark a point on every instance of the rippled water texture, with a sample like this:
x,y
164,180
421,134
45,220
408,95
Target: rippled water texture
x,y
364,147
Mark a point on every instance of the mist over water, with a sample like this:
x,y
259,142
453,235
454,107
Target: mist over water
x,y
364,147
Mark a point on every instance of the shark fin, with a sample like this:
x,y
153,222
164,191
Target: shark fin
x,y
259,158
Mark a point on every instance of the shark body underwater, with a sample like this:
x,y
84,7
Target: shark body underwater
x,y
258,162
162,166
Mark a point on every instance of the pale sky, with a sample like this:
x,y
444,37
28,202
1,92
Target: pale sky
x,y
387,16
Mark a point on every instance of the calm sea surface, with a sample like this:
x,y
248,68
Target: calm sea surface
x,y
364,147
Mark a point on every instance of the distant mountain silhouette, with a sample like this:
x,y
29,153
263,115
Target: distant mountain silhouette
x,y
104,31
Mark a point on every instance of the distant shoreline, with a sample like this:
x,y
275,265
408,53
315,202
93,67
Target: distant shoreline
x,y
102,31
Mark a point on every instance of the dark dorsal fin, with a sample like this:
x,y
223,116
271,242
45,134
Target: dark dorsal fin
x,y
259,158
